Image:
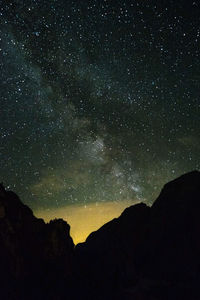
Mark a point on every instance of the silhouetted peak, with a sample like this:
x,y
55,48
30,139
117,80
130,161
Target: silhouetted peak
x,y
59,225
133,210
31,252
190,179
58,237
180,192
171,249
145,253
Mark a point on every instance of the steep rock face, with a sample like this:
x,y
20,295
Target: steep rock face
x,y
107,259
169,256
148,253
32,253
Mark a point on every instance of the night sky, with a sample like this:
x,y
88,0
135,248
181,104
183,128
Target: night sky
x,y
99,99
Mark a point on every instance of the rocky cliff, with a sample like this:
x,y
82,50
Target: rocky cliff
x,y
147,253
35,258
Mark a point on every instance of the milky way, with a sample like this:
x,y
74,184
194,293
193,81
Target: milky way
x,y
99,99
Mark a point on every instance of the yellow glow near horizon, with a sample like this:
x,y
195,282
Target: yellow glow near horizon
x,y
84,219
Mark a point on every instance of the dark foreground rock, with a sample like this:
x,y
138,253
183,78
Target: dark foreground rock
x,y
145,254
35,258
148,253
107,259
169,256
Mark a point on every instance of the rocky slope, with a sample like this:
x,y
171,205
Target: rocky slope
x,y
35,258
146,253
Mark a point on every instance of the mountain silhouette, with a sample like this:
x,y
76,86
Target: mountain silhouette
x,y
35,258
147,253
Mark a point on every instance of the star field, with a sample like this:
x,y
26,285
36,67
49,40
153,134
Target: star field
x,y
99,99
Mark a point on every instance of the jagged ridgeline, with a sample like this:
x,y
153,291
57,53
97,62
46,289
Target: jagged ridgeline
x,y
146,253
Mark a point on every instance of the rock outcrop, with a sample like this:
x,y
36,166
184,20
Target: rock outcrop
x,y
107,258
148,253
169,256
35,258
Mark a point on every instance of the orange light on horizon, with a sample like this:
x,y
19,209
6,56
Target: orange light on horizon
x,y
84,219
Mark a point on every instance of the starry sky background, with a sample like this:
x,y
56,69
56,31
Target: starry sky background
x,y
99,99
